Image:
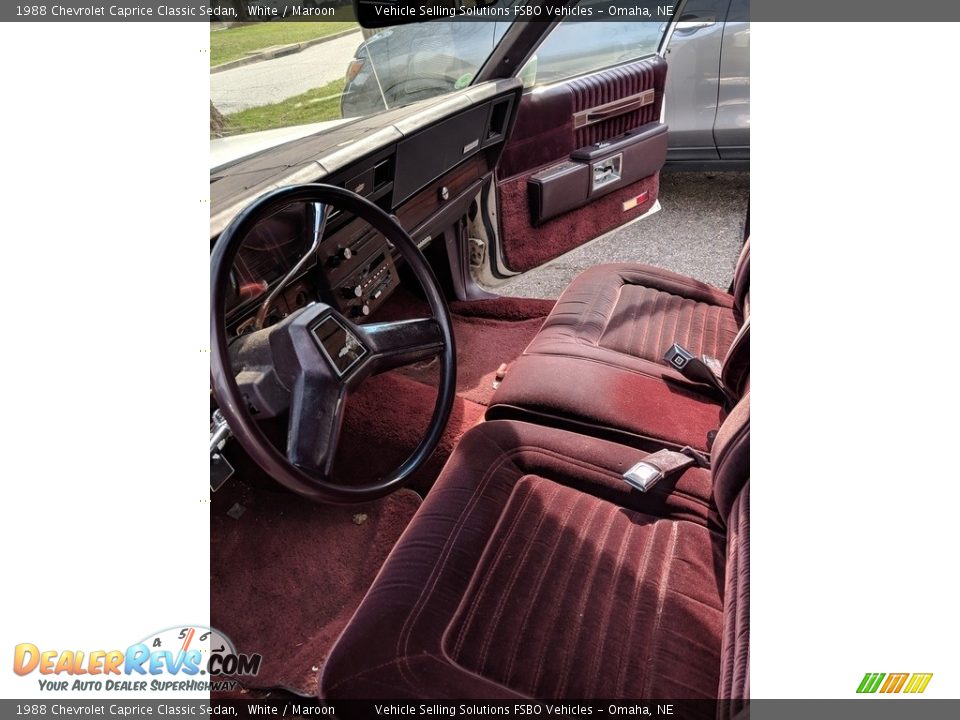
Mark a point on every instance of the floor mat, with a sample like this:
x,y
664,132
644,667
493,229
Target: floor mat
x,y
287,574
384,422
488,333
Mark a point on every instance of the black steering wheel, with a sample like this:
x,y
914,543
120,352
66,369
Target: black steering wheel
x,y
308,363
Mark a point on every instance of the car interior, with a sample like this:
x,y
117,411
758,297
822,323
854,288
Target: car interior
x,y
423,489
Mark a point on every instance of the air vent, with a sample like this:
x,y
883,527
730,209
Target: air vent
x,y
382,174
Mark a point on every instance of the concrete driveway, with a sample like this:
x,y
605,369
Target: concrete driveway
x,y
697,233
272,81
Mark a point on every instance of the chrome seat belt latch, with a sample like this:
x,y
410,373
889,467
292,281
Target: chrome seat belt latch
x,y
643,476
656,466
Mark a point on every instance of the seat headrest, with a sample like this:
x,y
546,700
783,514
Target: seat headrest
x,y
731,456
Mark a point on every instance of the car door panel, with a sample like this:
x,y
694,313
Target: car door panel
x,y
554,123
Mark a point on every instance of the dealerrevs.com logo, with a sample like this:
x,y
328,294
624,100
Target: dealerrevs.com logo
x,y
181,659
910,683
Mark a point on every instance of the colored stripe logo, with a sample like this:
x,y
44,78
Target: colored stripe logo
x,y
912,683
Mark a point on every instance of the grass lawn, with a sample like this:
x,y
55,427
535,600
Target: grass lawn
x,y
322,103
236,42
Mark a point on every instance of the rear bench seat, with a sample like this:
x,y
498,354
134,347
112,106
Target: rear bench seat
x,y
597,364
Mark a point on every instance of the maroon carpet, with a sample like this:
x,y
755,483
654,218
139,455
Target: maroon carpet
x,y
389,415
287,574
386,420
488,334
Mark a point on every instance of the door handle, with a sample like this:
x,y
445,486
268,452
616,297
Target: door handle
x,y
692,23
620,109
613,109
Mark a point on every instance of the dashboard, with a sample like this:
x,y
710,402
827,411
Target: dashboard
x,y
353,270
428,170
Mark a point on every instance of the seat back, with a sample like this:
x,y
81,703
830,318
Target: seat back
x,y
731,487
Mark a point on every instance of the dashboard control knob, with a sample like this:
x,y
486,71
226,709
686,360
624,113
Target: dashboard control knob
x,y
339,257
360,310
352,291
444,193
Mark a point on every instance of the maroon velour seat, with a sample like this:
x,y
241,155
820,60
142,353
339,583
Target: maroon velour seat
x,y
534,570
597,364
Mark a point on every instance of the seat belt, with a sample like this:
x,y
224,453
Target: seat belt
x,y
661,464
704,370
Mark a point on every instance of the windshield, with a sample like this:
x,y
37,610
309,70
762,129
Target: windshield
x,y
313,75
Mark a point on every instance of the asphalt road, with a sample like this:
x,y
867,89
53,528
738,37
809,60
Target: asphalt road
x,y
271,81
697,233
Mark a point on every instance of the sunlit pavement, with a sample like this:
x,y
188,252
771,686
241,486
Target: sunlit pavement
x,y
697,233
272,81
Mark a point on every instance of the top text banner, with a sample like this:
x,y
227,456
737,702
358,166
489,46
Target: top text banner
x,y
401,11
370,13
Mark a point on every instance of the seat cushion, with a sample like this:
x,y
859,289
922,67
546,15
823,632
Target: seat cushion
x,y
533,570
627,588
596,365
606,401
628,315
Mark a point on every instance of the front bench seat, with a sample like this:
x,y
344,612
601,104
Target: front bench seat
x,y
597,364
532,570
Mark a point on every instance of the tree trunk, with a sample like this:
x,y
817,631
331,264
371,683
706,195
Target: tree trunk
x,y
217,122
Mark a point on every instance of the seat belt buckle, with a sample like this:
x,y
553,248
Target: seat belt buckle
x,y
678,356
500,375
643,476
705,370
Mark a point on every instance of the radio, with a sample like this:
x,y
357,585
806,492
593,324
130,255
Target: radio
x,y
367,285
342,255
358,269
